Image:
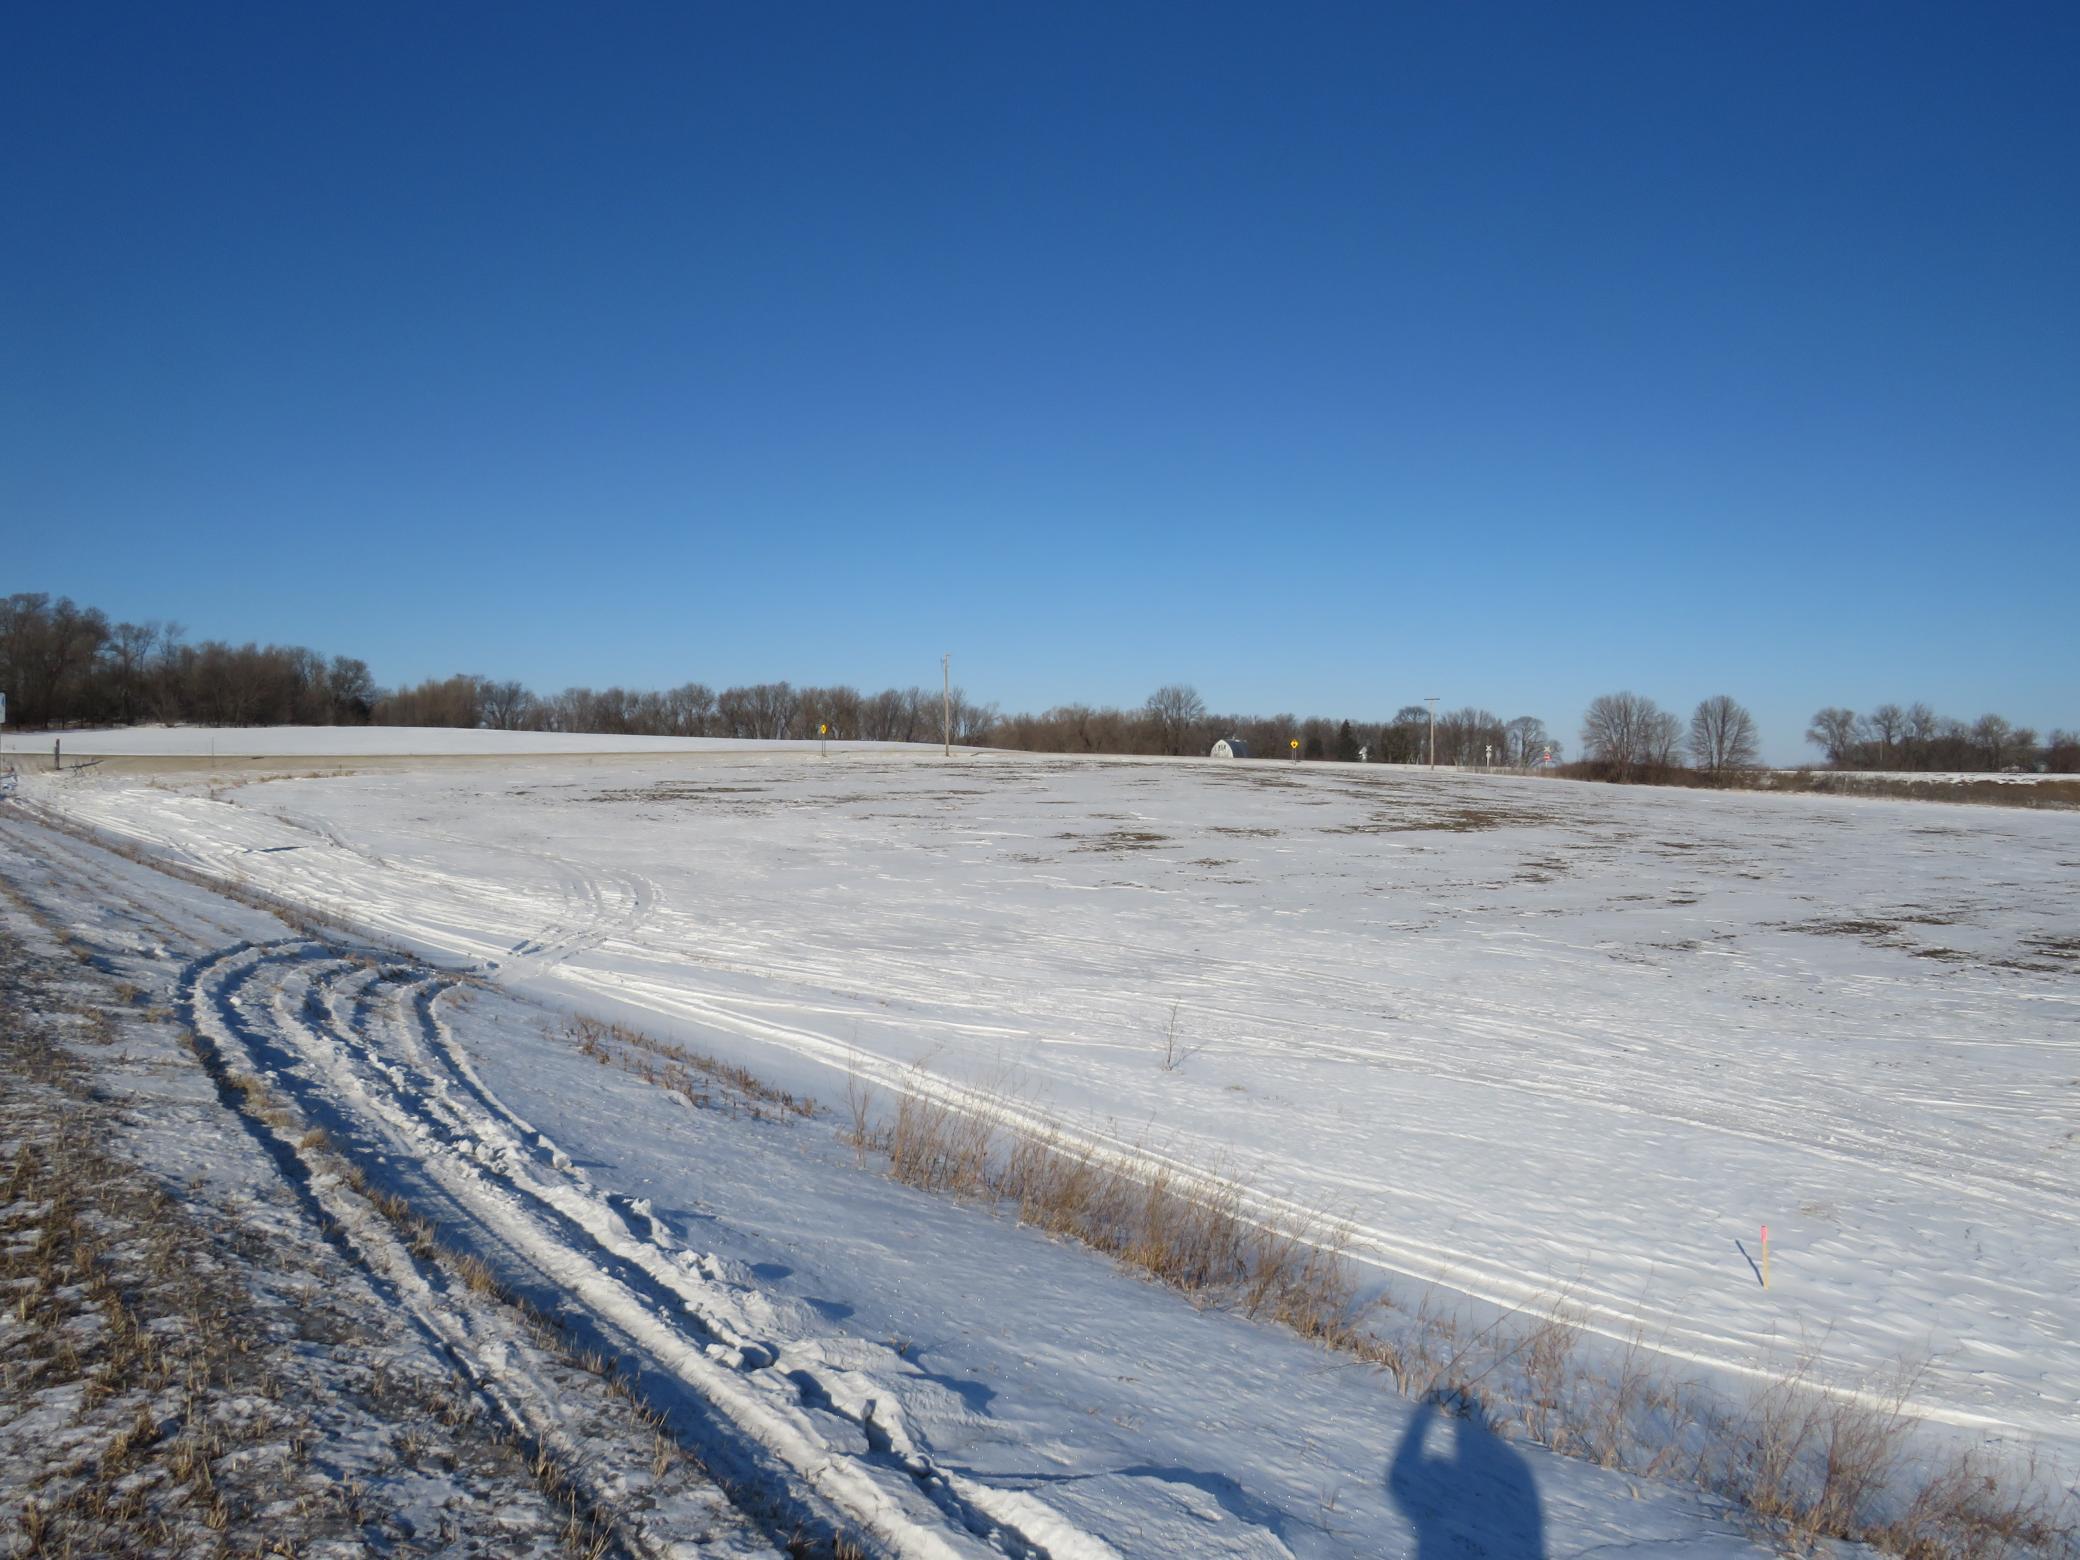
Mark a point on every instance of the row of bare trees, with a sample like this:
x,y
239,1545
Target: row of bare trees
x,y
761,711
66,665
63,664
1915,737
1630,737
1175,720
1627,736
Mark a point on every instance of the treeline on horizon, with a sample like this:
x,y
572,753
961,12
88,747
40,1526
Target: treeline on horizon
x,y
66,665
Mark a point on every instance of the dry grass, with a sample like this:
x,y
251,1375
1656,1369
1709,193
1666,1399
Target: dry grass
x,y
2058,794
1806,1462
175,1390
702,1081
1188,1232
1816,1463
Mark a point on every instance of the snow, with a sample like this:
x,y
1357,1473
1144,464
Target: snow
x,y
1536,1041
910,1370
331,1414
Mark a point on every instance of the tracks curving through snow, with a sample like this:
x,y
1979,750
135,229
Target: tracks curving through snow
x,y
358,1042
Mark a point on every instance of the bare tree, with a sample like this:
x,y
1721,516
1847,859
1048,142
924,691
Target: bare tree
x,y
1402,739
690,708
1466,736
1920,732
970,724
2062,752
1527,740
49,652
1630,733
919,717
1994,738
506,706
1664,740
1834,732
1887,726
1176,712
129,648
1722,736
350,690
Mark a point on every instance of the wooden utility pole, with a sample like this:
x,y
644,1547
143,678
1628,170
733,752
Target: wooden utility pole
x,y
1431,700
946,700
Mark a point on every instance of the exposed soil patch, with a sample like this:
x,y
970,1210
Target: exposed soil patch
x,y
1116,841
1846,928
677,791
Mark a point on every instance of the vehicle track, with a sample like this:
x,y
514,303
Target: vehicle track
x,y
357,1042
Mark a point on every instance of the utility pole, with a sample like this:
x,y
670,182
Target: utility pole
x,y
1432,702
946,700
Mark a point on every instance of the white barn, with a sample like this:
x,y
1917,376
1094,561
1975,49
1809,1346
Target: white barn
x,y
1231,747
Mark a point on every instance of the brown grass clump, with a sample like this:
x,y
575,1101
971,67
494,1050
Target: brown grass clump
x,y
1188,1231
694,1076
1815,1464
1806,1463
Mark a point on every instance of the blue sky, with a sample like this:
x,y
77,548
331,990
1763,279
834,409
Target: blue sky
x,y
1324,357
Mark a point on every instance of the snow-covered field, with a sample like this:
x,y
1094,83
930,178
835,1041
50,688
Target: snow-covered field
x,y
1537,1041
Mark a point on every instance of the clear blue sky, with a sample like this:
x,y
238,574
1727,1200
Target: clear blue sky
x,y
1324,357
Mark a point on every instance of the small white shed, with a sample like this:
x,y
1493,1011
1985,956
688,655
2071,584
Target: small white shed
x,y
1231,747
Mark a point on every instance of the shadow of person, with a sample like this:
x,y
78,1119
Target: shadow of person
x,y
1477,1500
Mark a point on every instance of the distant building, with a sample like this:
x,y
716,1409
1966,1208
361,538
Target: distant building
x,y
1231,747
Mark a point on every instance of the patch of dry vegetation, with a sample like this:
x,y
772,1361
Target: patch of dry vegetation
x,y
1188,1232
160,1392
1806,1461
2054,794
692,1075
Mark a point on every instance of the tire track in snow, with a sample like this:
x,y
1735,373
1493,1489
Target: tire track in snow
x,y
487,1349
378,1059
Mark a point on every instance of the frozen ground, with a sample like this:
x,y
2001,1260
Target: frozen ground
x,y
846,1355
1536,1040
